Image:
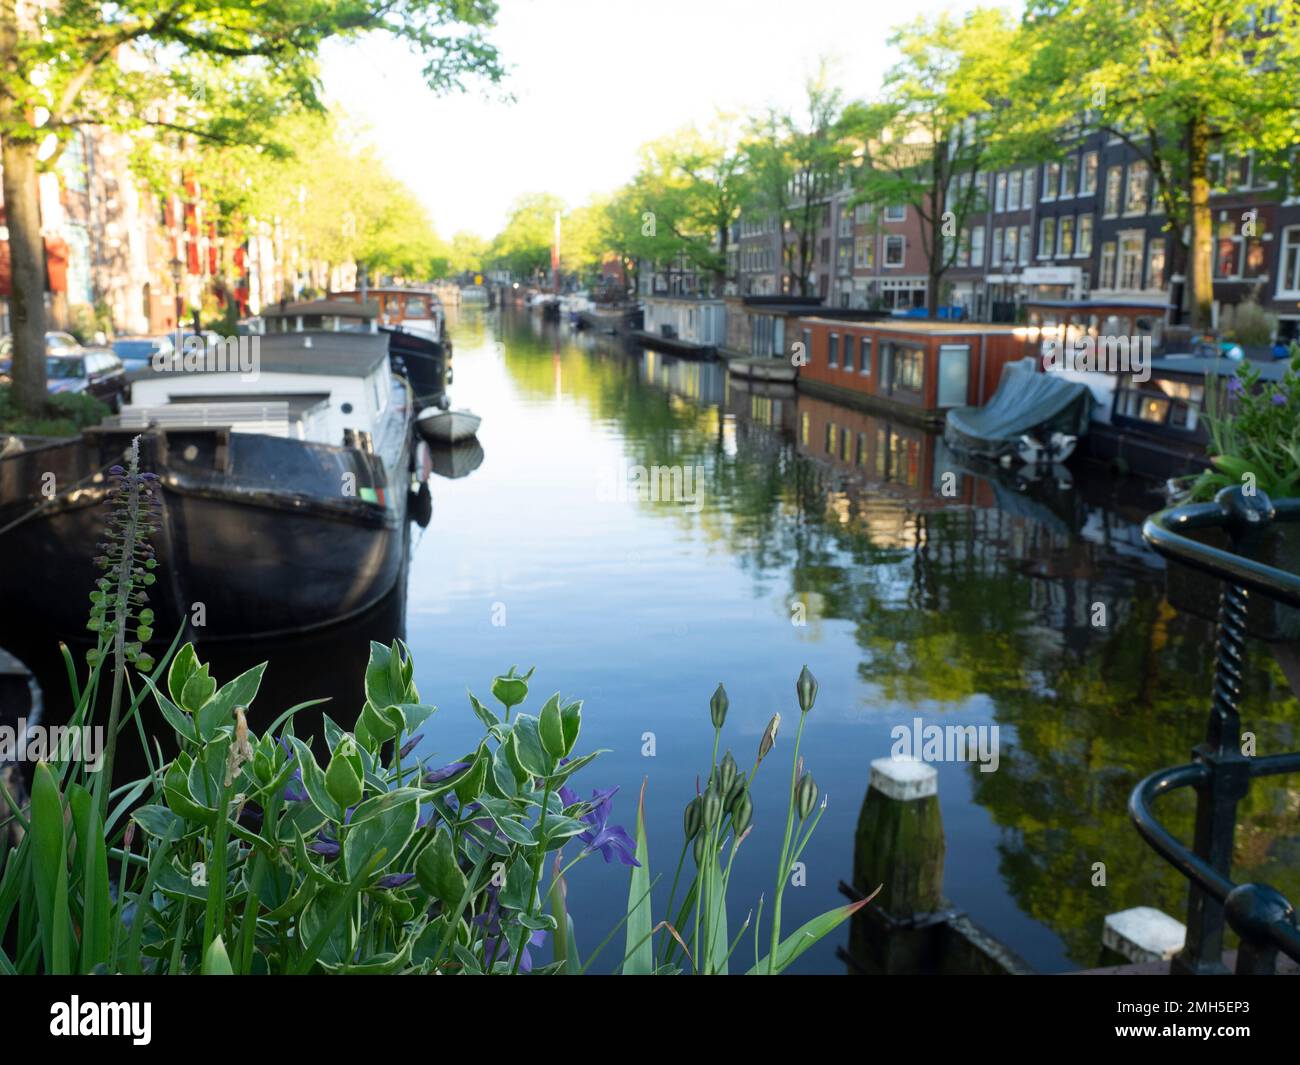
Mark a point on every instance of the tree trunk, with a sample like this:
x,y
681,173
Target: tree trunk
x,y
1200,256
27,271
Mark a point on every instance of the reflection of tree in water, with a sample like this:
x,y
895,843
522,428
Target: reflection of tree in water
x,y
954,601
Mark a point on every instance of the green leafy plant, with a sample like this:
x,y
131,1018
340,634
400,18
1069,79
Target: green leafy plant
x,y
1254,432
715,824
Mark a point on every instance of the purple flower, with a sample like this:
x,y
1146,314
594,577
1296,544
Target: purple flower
x,y
496,945
1279,400
437,776
611,840
294,791
395,880
1235,387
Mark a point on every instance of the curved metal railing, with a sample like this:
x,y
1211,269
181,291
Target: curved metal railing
x,y
1220,773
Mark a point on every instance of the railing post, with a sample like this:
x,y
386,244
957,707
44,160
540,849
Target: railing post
x,y
1246,516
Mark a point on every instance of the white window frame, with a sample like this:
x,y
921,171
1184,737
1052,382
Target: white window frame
x,y
902,251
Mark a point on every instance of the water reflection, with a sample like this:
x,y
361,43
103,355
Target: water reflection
x,y
944,589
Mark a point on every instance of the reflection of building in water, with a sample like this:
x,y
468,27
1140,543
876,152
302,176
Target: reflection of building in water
x,y
703,382
885,452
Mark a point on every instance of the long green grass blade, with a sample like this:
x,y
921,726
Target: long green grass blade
x,y
640,945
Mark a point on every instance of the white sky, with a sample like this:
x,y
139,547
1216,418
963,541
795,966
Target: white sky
x,y
594,79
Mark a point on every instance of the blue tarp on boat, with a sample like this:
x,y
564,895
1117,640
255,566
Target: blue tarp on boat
x,y
1026,401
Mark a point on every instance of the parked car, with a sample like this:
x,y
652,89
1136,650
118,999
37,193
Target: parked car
x,y
137,353
56,343
98,373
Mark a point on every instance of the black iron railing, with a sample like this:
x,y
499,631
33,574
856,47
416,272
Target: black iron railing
x,y
1220,773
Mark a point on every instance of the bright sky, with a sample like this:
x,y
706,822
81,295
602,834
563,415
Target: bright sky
x,y
594,79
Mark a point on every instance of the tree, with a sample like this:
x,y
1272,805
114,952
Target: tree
x,y
795,163
467,254
939,122
218,70
699,187
629,230
1178,80
524,245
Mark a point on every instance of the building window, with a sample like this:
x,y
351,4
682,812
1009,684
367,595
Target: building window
x,y
1013,191
832,438
1156,264
963,248
806,338
1288,282
1083,243
1065,237
1088,174
1024,245
1046,237
1227,250
1000,193
1011,244
833,350
864,253
1106,275
995,252
805,427
895,213
862,449
1114,177
862,213
1027,192
893,250
1069,176
1139,181
1130,261
864,356
1051,179
850,351
909,369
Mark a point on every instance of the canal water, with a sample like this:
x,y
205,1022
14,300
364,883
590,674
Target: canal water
x,y
802,532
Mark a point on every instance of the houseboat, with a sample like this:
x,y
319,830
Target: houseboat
x,y
283,477
760,337
612,318
416,325
1155,427
687,327
917,369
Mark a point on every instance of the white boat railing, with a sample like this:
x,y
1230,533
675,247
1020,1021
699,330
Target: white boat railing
x,y
270,419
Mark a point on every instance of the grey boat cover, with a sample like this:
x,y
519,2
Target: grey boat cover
x,y
1026,401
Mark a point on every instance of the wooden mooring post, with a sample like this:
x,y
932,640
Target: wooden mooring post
x,y
899,847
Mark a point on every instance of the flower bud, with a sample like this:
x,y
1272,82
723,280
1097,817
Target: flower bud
x,y
742,812
769,736
712,807
806,687
698,850
736,790
727,772
343,777
805,796
693,818
718,706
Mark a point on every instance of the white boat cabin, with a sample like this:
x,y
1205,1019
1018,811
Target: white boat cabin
x,y
304,386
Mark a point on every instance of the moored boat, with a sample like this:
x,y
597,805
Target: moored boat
x,y
283,492
447,426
